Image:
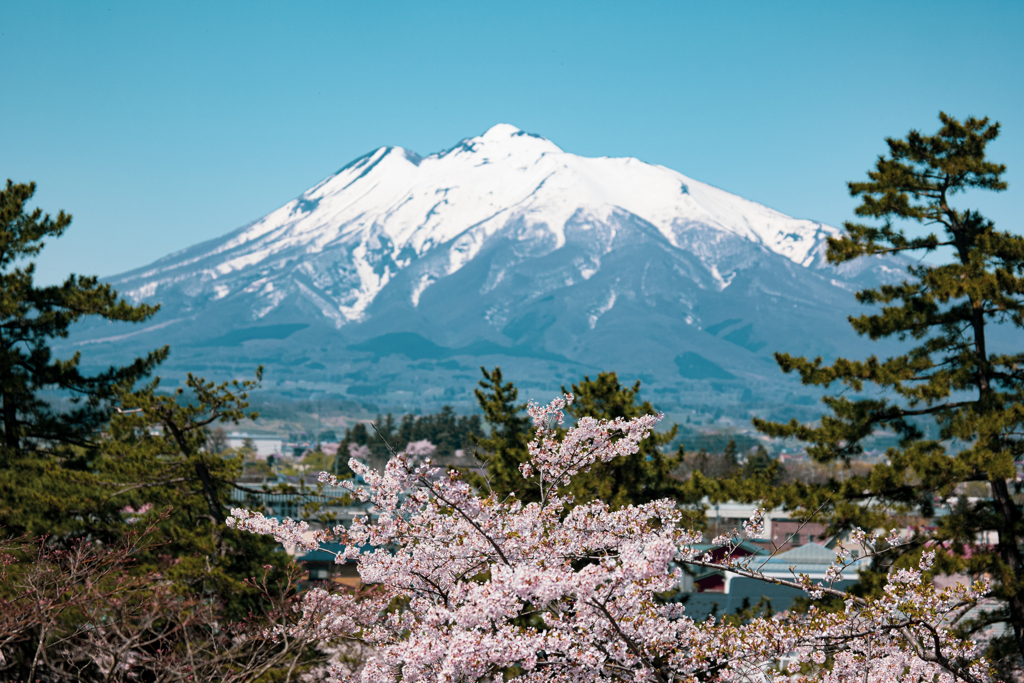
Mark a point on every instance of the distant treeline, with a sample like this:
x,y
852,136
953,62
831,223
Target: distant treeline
x,y
446,430
716,443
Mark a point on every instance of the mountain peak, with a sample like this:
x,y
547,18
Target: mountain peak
x,y
391,211
500,131
503,140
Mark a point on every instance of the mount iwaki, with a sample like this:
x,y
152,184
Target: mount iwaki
x,y
391,281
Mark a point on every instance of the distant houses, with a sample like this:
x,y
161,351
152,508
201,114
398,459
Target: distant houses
x,y
720,593
294,497
786,548
780,530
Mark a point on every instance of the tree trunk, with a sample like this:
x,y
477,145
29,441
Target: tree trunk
x,y
1009,552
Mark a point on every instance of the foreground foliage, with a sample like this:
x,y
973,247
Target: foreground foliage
x,y
155,456
80,453
86,614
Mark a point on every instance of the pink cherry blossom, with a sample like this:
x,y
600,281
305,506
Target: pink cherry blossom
x,y
473,588
422,448
359,451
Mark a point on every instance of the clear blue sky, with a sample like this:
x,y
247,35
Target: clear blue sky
x,y
159,125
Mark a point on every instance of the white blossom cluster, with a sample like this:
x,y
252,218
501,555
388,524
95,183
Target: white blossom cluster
x,y
287,532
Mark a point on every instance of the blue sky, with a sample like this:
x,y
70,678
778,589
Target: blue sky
x,y
159,125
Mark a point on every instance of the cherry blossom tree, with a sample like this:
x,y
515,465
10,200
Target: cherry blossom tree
x,y
474,587
359,451
418,450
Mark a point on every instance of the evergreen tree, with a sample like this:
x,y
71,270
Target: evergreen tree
x,y
117,455
638,478
445,430
730,453
504,449
377,437
714,465
760,464
217,440
173,427
31,317
156,457
51,412
950,376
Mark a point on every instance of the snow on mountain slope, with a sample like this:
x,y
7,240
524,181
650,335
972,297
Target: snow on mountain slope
x,y
341,243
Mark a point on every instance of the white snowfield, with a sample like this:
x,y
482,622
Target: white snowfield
x,y
387,209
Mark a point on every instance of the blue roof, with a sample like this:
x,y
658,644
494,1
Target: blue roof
x,y
700,605
327,552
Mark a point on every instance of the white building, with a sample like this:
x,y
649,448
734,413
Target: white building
x,y
732,513
265,445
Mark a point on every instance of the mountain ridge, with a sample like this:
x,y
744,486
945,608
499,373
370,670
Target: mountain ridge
x,y
478,214
507,248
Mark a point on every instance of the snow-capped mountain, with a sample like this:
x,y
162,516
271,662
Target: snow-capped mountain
x,y
503,246
386,211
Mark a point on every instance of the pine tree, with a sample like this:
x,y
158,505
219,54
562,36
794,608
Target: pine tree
x,y
31,317
447,431
46,483
950,377
730,454
759,464
504,449
87,471
638,478
156,456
